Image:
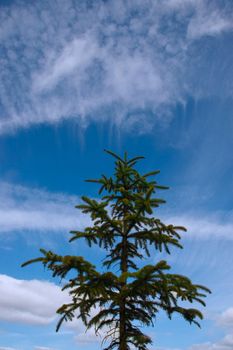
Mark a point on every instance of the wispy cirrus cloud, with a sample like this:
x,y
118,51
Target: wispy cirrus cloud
x,y
43,348
120,62
33,209
208,20
207,226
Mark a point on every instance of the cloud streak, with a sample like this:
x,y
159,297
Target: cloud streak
x,y
34,209
115,62
28,209
209,226
43,348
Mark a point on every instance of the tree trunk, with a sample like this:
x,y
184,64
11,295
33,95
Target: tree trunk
x,y
123,343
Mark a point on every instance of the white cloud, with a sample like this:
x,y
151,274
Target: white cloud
x,y
24,208
114,62
43,348
75,57
6,348
206,226
29,301
226,318
87,338
205,17
34,209
166,348
35,302
208,21
225,344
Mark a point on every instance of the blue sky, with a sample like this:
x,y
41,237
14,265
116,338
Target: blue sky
x,y
154,78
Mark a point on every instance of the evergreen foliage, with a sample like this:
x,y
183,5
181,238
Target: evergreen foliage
x,y
124,225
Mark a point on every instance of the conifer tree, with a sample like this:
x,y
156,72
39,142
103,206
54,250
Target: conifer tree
x,y
127,297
